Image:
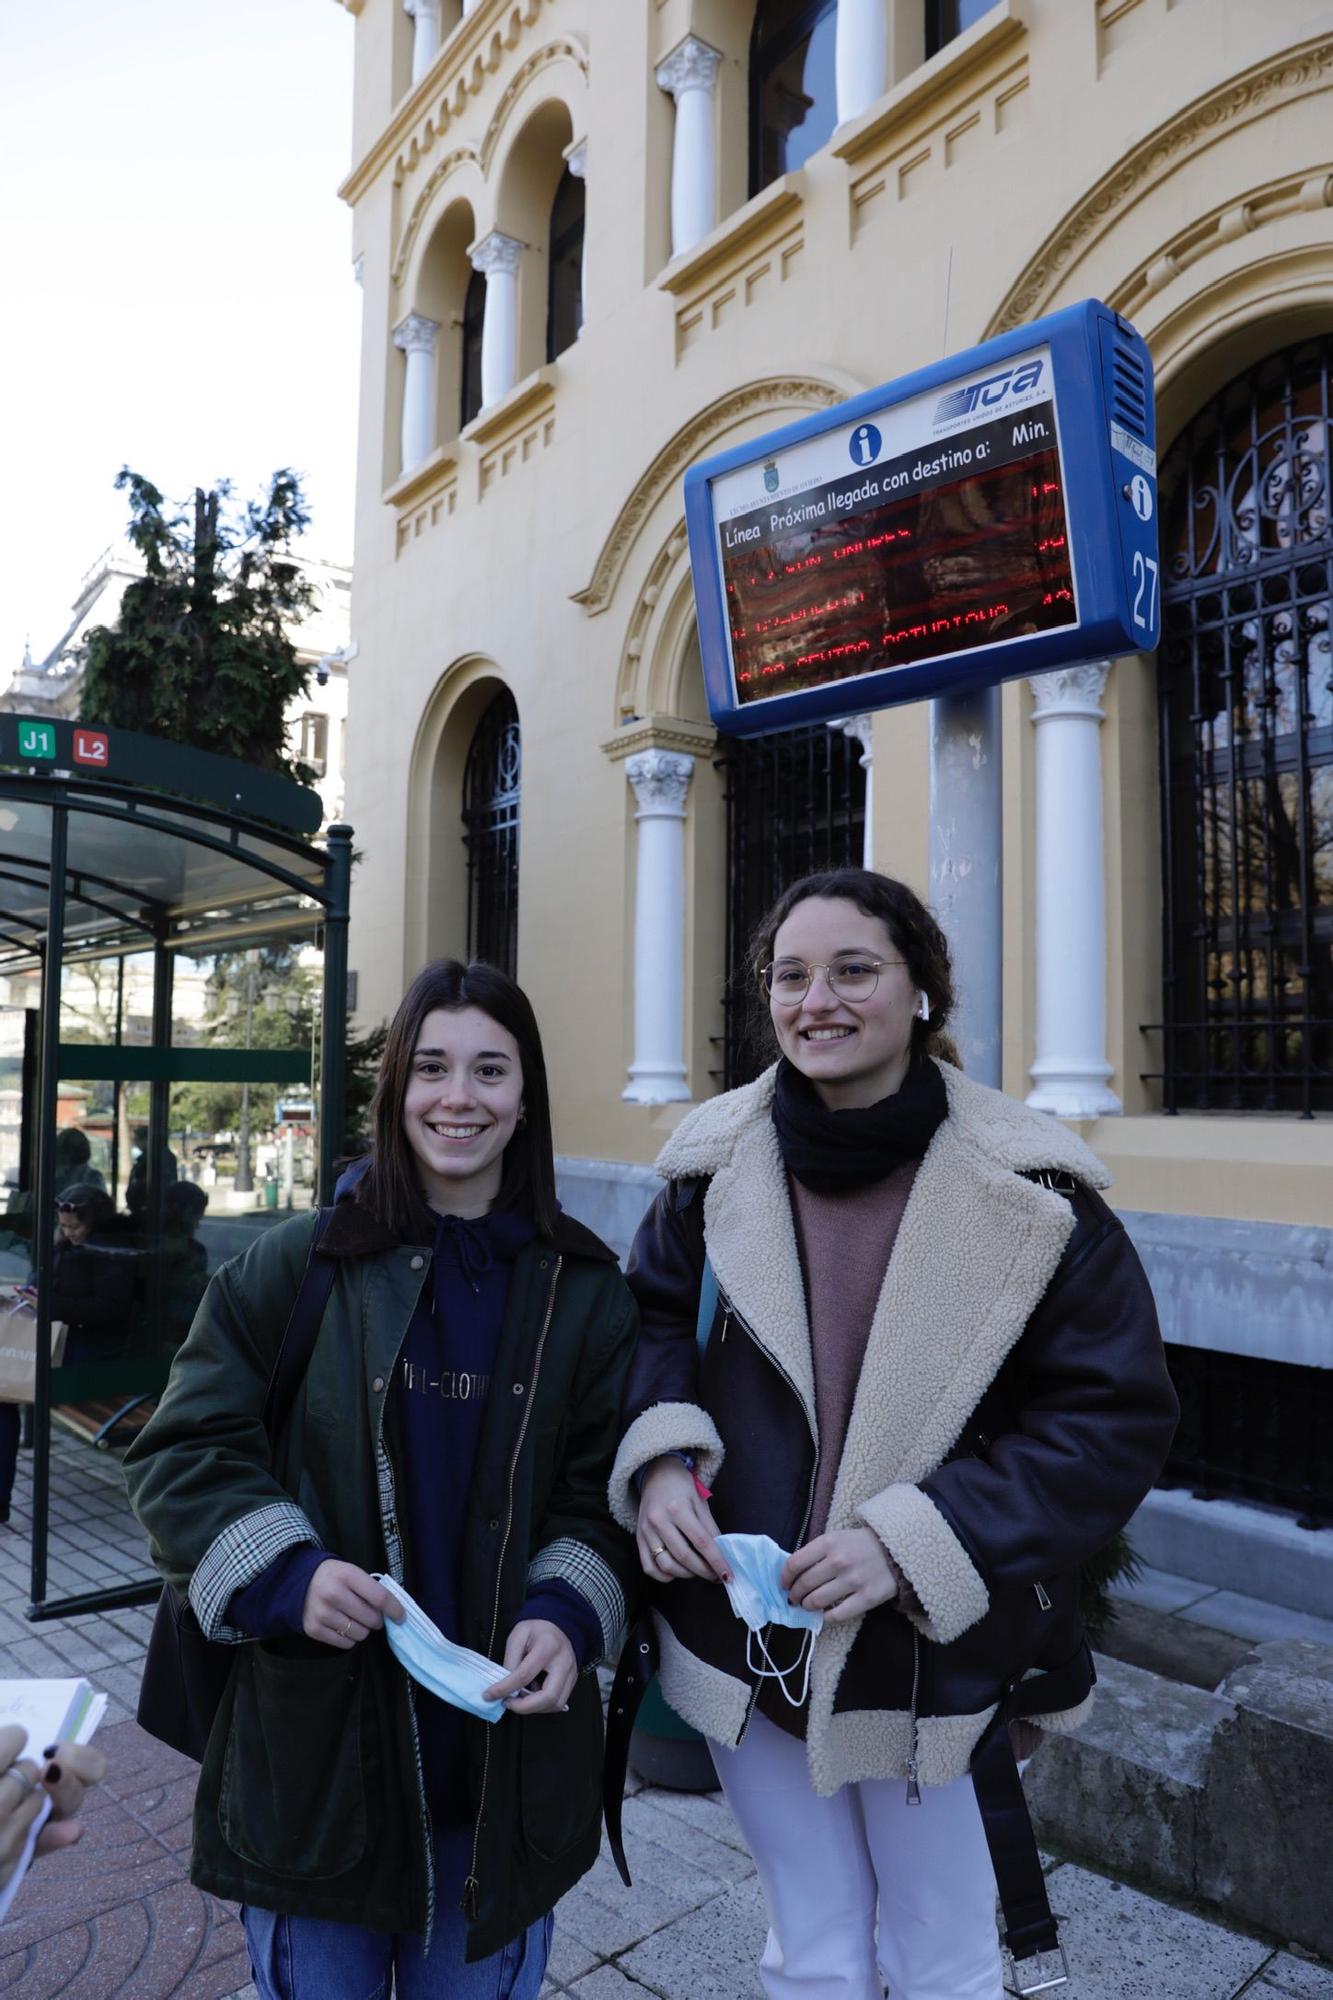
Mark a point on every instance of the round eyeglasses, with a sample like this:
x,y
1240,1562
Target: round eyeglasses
x,y
851,977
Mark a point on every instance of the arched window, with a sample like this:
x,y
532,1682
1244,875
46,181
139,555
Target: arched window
x,y
564,304
796,801
491,789
1245,696
947,18
793,86
474,315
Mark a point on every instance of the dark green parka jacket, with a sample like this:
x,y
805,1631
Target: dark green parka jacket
x,y
310,1798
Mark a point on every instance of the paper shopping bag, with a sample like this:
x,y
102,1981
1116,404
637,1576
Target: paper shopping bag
x,y
18,1350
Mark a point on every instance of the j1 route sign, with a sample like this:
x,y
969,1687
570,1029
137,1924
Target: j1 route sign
x,y
990,516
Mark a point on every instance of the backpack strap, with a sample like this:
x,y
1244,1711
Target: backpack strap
x,y
301,1331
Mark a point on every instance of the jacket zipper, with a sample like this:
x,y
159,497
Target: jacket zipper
x,y
1042,1599
730,1314
913,1777
382,1445
472,1886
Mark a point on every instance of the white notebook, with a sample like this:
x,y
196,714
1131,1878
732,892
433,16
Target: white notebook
x,y
50,1712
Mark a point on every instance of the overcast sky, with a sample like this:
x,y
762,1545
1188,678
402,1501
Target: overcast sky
x,y
178,290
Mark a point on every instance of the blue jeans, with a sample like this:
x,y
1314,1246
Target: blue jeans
x,y
312,1958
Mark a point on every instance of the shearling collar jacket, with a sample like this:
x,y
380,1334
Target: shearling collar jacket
x,y
1013,1409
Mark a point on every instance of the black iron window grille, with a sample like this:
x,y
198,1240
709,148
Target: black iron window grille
x,y
793,86
1253,1429
795,802
1245,700
474,318
564,299
492,784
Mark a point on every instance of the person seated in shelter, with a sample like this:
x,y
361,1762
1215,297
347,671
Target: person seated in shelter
x,y
136,1187
74,1166
92,1276
183,1258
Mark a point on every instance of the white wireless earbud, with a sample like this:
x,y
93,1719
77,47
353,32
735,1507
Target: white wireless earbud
x,y
923,1007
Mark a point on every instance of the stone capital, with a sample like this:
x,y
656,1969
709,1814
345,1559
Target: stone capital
x,y
660,779
416,334
693,66
576,159
428,9
496,253
861,729
1070,691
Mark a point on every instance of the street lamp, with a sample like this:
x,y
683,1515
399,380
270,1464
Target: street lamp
x,y
244,1182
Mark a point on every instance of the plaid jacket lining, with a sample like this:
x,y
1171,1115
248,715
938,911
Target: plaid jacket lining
x,y
241,1553
575,1563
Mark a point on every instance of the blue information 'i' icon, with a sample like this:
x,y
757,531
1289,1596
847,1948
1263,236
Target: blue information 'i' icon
x,y
865,444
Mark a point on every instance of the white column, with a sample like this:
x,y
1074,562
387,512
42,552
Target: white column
x,y
1071,1071
689,74
496,257
577,162
861,55
660,779
861,730
416,336
470,7
426,38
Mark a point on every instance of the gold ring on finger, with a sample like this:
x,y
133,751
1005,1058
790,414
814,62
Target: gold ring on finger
x,y
346,1632
659,1551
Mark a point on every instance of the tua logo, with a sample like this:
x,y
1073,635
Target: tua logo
x,y
983,395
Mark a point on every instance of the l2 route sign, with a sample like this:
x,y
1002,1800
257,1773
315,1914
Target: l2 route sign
x,y
991,516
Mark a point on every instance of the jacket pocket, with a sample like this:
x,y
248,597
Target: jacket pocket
x,y
292,1799
560,1772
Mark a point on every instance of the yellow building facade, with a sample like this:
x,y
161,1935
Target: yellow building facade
x,y
601,239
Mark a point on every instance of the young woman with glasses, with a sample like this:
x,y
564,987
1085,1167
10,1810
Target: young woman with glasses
x,y
454,1430
933,1377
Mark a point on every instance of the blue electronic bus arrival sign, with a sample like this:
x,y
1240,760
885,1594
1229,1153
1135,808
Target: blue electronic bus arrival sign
x,y
991,516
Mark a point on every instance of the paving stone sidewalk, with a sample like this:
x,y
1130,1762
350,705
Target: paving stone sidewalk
x,y
117,1919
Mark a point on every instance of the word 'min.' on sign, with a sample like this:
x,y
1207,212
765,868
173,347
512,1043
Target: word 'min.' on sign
x,y
991,516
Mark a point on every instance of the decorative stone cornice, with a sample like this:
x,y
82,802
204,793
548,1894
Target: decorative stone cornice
x,y
496,253
660,779
772,394
436,471
1291,194
439,173
1070,691
576,159
1296,73
565,49
468,59
960,62
660,732
416,334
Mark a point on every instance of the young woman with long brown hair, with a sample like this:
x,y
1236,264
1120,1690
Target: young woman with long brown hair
x,y
453,1433
932,1378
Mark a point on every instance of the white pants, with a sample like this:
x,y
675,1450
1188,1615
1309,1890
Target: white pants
x,y
864,1891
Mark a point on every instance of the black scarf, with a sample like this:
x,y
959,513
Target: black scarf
x,y
834,1152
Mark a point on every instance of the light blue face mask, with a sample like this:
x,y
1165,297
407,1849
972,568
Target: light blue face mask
x,y
758,1600
436,1663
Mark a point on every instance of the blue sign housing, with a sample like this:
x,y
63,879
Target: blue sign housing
x,y
990,516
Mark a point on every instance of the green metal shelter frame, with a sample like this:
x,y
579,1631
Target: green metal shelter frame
x,y
114,845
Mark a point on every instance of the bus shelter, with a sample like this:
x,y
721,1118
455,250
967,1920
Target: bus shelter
x,y
173,1013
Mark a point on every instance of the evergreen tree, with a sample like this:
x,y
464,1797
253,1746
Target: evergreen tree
x,y
200,652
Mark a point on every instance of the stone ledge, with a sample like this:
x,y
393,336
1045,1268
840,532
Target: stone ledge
x,y
1234,1546
1221,1798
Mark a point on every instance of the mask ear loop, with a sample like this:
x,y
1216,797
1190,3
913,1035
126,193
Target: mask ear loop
x,y
769,1672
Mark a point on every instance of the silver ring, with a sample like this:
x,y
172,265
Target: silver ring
x,y
346,1632
29,1785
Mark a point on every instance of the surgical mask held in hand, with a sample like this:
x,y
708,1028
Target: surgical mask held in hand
x,y
436,1663
758,1600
